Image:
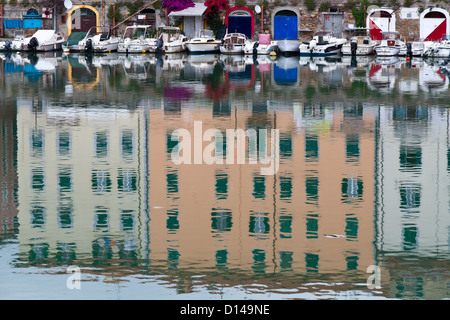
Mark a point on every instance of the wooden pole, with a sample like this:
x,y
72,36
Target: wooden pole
x,y
262,19
114,20
1,20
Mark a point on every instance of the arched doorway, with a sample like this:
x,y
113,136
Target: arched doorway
x,y
241,20
285,24
380,20
433,24
81,18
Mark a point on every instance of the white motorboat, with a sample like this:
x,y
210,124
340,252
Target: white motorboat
x,y
99,39
169,40
204,43
323,43
390,45
288,46
439,49
419,47
263,46
233,43
359,46
136,39
41,40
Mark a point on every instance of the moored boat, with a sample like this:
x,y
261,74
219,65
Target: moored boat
x,y
41,40
136,39
204,43
359,46
263,46
323,43
99,39
233,43
390,45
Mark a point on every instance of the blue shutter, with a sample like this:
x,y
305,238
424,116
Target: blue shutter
x,y
285,28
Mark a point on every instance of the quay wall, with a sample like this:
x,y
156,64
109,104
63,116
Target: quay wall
x,y
310,20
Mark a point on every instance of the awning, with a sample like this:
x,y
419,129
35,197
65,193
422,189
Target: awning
x,y
197,11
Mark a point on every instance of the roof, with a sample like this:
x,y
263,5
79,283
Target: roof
x,y
196,11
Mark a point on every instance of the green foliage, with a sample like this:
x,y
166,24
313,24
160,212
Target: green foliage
x,y
324,6
310,5
241,3
134,6
114,15
408,3
359,13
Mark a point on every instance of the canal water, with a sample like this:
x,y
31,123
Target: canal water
x,y
109,191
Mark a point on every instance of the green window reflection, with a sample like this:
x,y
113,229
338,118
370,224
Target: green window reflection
x,y
409,197
37,142
409,238
221,220
101,222
66,252
101,181
352,261
259,223
410,158
286,259
172,181
221,186
259,187
127,220
312,262
65,179
259,263
351,228
352,189
37,179
172,223
312,226
65,216
311,148
352,151
38,252
312,190
101,144
64,143
38,216
127,143
285,187
221,259
173,259
409,286
127,180
285,145
170,144
285,226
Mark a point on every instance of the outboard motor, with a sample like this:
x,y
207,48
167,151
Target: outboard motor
x,y
409,49
33,44
159,45
88,47
255,48
353,47
8,44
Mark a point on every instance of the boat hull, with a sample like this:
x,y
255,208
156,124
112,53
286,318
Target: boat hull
x,y
289,46
232,48
387,51
205,47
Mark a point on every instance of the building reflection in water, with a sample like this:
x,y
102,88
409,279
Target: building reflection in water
x,y
97,187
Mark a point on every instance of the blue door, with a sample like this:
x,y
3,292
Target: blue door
x,y
240,24
285,27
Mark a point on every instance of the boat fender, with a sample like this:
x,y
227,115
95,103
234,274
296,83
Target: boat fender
x,y
88,47
354,47
8,44
32,45
255,47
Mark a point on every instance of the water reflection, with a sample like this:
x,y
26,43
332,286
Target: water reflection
x,y
88,178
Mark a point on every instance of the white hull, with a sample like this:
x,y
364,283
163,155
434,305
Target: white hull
x,y
387,51
261,49
289,46
106,47
232,49
362,50
133,48
203,47
174,48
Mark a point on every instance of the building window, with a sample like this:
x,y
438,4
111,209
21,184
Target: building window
x,y
221,186
311,148
101,144
221,220
259,187
64,143
127,144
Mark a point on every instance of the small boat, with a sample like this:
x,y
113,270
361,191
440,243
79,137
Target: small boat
x,y
323,43
359,46
233,43
41,40
71,44
263,46
169,40
439,49
390,45
99,39
204,43
136,39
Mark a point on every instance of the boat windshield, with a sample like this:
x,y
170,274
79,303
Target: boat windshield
x,y
135,32
102,31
